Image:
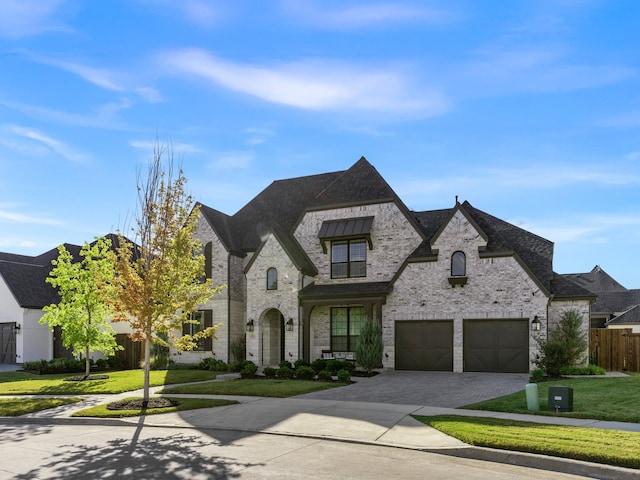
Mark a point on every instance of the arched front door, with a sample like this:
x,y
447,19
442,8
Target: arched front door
x,y
273,338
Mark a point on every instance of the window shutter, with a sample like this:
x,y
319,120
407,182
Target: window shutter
x,y
208,261
186,327
208,322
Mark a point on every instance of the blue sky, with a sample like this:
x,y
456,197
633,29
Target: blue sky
x,y
530,110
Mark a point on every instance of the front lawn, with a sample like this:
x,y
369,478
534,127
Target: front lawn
x,y
102,411
254,387
22,383
14,407
611,447
613,399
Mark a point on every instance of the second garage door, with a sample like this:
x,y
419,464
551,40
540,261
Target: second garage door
x,y
424,345
496,346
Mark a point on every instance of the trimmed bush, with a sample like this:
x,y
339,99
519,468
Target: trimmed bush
x,y
537,375
344,376
319,364
286,363
301,362
324,376
334,365
115,362
269,372
235,366
249,371
285,372
305,373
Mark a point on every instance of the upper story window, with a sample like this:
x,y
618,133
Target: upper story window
x,y
272,279
349,258
208,260
202,319
458,264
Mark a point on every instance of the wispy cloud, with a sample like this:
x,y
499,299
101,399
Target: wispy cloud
x,y
203,13
23,18
40,139
232,161
176,148
319,85
360,15
8,213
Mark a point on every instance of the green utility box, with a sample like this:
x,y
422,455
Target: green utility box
x,y
560,399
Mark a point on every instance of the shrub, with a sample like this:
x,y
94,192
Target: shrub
x,y
160,362
301,362
369,349
115,362
324,376
101,363
305,373
284,372
239,349
319,364
537,375
564,346
334,365
588,370
248,371
286,363
235,366
344,376
269,372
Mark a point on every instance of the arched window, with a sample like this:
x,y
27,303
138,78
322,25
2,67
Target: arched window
x,y
272,279
458,264
208,261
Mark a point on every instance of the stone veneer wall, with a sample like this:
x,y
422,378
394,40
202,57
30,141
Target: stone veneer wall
x,y
261,301
392,236
558,307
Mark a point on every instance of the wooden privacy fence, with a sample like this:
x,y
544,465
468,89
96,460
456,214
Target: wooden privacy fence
x,y
616,350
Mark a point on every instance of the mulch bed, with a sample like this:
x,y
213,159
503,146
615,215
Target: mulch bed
x,y
82,378
137,404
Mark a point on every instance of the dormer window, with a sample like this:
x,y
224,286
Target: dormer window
x,y
458,269
272,279
349,258
458,264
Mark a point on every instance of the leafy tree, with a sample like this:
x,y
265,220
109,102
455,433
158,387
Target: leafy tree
x,y
161,277
86,291
369,349
565,345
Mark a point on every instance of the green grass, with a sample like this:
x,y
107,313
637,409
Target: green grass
x,y
254,387
22,383
101,411
612,399
14,407
611,447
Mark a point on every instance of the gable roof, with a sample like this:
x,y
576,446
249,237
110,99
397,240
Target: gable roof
x,y
612,296
597,280
631,316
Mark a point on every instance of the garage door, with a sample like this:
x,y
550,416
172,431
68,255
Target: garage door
x,y
496,346
424,345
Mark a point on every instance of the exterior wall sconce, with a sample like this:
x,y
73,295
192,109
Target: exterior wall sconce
x,y
290,325
17,329
535,324
250,326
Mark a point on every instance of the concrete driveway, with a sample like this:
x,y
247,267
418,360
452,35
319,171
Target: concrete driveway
x,y
9,367
436,389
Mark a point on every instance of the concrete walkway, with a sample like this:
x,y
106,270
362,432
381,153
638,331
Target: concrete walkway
x,y
368,422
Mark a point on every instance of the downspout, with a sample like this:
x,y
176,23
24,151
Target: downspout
x,y
228,307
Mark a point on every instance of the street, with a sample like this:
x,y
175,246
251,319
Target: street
x,y
97,451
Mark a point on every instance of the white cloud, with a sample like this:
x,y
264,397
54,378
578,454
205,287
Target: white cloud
x,y
23,18
584,228
232,161
361,15
315,84
41,139
15,217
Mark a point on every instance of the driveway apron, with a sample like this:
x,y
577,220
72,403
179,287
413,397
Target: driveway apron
x,y
436,389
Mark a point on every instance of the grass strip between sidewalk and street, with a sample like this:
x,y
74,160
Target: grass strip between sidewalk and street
x,y
254,387
101,411
14,407
24,383
611,447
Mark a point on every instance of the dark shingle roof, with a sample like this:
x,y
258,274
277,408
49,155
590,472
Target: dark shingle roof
x,y
612,296
345,290
597,280
631,316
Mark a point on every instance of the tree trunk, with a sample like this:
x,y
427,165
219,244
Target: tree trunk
x,y
147,368
87,363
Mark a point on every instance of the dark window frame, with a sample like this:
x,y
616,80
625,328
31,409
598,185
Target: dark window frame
x,y
456,266
354,314
206,344
354,268
272,283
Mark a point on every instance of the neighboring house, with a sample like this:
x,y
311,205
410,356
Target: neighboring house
x,y
24,292
310,259
616,306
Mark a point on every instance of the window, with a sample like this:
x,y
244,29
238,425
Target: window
x,y
348,258
458,264
208,261
346,323
205,320
272,279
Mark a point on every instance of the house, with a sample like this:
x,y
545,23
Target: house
x,y
616,306
24,293
310,259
